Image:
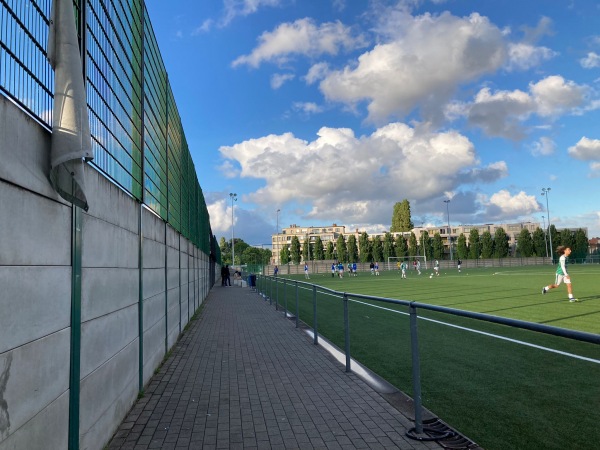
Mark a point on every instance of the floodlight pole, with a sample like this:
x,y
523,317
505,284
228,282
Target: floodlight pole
x,y
546,192
447,202
545,237
233,197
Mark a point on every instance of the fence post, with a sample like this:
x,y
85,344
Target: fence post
x,y
347,332
416,369
297,310
315,333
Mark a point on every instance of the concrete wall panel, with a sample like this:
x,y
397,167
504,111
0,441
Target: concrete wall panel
x,y
24,150
107,245
35,230
37,296
154,254
41,367
106,396
154,282
47,430
154,310
172,237
154,348
104,337
153,227
105,290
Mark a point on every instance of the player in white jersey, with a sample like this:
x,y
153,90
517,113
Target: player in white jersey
x,y
436,267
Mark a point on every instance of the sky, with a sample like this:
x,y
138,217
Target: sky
x,y
331,111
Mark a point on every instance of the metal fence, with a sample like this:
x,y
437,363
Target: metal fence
x,y
450,343
137,136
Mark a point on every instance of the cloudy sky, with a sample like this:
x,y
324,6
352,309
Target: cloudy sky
x,y
333,110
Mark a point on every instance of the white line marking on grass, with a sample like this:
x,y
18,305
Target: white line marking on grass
x,y
527,344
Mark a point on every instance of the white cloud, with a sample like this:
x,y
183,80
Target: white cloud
x,y
595,170
523,56
204,27
503,113
504,205
235,8
278,79
586,149
316,72
307,107
427,58
553,95
220,216
342,175
591,61
543,147
302,37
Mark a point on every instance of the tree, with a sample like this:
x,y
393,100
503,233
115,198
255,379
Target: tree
x,y
581,245
556,239
525,243
342,253
352,248
329,250
427,242
252,255
401,217
377,249
364,247
474,244
225,247
437,246
413,246
295,253
318,249
500,243
567,239
284,255
388,246
306,250
487,245
540,244
461,247
401,248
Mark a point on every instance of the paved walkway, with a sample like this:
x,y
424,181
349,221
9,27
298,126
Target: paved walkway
x,y
243,377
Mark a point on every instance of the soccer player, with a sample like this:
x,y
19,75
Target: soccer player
x,y
276,270
354,269
341,270
306,271
332,270
436,268
562,274
376,269
458,263
372,267
418,267
403,268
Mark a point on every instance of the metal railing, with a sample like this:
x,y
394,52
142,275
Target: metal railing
x,y
137,135
309,298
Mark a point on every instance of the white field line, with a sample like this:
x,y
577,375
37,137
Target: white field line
x,y
515,341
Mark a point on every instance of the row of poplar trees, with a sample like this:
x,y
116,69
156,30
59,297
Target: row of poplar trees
x,y
480,246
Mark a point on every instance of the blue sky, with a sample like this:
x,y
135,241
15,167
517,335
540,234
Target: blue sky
x,y
333,110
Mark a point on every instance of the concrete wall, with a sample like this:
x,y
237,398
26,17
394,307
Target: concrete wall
x,y
36,297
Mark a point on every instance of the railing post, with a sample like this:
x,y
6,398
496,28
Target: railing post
x,y
416,369
347,332
284,299
297,310
315,333
271,296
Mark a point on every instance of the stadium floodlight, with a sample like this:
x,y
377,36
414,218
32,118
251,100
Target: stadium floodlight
x,y
447,202
277,250
233,197
546,192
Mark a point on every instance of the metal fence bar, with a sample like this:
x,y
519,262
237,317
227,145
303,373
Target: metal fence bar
x,y
416,370
347,333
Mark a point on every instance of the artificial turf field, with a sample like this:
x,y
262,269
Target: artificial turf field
x,y
504,388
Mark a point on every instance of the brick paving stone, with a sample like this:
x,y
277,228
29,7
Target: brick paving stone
x,y
243,377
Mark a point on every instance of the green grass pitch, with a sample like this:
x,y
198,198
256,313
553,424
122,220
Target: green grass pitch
x,y
502,387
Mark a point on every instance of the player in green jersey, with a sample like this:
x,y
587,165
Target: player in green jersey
x,y
562,274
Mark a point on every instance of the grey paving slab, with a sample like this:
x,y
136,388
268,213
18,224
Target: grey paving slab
x,y
242,376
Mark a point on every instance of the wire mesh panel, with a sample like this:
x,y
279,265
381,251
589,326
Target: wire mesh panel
x,y
137,136
25,74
